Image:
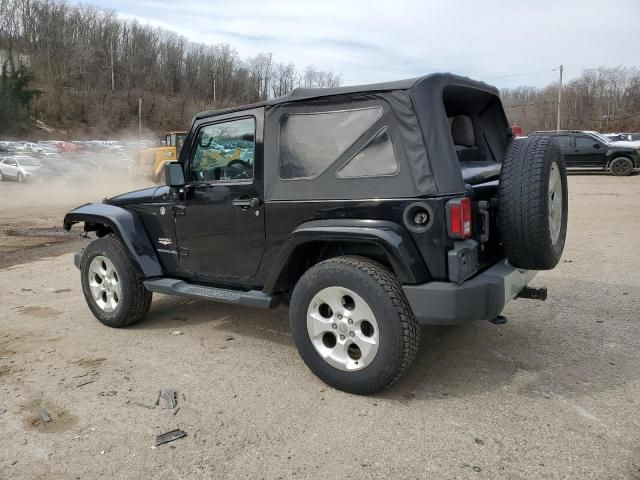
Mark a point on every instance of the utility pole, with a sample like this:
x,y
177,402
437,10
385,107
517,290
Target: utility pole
x,y
559,99
113,78
140,117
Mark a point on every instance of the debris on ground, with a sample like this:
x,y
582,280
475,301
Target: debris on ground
x,y
177,332
170,436
4,410
175,412
44,415
169,398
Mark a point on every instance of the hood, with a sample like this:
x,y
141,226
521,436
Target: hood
x,y
146,195
623,144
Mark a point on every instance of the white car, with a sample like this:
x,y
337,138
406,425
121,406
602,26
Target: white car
x,y
19,167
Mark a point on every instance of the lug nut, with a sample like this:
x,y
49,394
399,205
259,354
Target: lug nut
x,y
350,321
352,334
339,317
341,337
334,326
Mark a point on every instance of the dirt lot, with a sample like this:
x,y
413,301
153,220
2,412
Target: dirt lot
x,y
554,393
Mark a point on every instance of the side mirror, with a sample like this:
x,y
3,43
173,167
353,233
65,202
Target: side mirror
x,y
596,145
174,174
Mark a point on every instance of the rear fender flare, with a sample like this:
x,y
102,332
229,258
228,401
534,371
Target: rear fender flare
x,y
124,223
393,239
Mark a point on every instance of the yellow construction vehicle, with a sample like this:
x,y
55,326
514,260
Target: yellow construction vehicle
x,y
150,161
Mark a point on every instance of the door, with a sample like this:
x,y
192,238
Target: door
x,y
588,152
220,216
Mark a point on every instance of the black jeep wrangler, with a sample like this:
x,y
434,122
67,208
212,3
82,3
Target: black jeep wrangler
x,y
369,210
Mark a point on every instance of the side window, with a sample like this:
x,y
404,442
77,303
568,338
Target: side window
x,y
224,152
376,158
564,141
585,142
310,142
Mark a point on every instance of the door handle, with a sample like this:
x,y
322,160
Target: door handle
x,y
246,202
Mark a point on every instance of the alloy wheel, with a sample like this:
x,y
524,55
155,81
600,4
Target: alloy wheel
x,y
104,283
343,328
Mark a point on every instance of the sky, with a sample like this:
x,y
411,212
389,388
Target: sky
x,y
504,43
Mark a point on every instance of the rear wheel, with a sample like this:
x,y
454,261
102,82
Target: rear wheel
x,y
20,178
621,166
112,287
1,177
352,324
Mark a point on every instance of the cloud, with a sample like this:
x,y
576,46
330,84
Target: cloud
x,y
369,41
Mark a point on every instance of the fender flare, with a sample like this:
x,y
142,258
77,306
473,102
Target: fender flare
x,y
394,240
127,225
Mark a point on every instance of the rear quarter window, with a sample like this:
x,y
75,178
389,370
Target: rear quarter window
x,y
310,142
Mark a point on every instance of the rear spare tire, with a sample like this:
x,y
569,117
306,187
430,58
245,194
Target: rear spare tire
x,y
533,206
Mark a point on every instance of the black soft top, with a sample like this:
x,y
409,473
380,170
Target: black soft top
x,y
417,112
434,82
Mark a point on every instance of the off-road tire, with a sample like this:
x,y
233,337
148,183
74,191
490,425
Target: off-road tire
x,y
135,299
523,211
621,167
399,334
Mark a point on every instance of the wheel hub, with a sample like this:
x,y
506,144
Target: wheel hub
x,y
555,203
104,284
342,328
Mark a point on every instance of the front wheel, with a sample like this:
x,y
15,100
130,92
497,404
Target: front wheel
x,y
352,324
20,178
621,167
112,287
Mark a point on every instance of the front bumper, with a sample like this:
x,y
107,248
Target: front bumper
x,y
481,298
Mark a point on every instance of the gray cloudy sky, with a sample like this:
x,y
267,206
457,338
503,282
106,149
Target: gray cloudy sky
x,y
369,41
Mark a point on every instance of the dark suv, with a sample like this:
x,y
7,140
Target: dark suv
x,y
591,150
369,210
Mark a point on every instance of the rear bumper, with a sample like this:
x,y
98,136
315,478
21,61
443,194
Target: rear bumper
x,y
481,298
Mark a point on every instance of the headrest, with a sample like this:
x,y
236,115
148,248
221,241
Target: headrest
x,y
462,131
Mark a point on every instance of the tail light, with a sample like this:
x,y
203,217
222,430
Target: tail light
x,y
459,218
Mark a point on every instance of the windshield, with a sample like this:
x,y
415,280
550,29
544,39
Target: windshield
x,y
28,162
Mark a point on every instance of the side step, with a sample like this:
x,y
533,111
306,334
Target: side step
x,y
172,286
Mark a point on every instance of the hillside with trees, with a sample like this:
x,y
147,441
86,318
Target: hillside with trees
x,y
82,70
91,67
603,99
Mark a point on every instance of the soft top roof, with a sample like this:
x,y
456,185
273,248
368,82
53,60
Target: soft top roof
x,y
434,82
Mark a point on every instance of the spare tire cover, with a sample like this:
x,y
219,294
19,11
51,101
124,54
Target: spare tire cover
x,y
533,206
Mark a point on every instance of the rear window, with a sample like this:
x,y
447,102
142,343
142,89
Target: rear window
x,y
311,142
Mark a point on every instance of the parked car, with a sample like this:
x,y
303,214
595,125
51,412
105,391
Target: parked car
x,y
591,150
622,139
360,207
19,167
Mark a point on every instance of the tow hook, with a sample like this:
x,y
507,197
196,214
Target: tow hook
x,y
534,293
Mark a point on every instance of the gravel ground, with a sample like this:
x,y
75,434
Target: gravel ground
x,y
554,393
